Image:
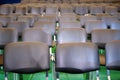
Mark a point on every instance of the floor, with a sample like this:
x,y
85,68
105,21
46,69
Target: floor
x,y
115,75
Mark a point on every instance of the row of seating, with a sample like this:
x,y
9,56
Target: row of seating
x,y
69,1
56,8
72,54
49,24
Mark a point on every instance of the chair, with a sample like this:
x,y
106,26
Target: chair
x,y
28,19
69,35
94,24
66,9
4,9
109,19
81,9
26,58
115,25
52,9
77,58
20,10
112,56
67,17
37,35
48,27
5,19
70,24
111,9
117,15
19,26
94,9
35,10
7,35
102,36
85,18
47,18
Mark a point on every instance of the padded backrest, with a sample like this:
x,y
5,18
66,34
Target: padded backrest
x,y
110,9
115,25
47,18
5,19
26,57
19,26
35,10
7,35
81,9
113,55
69,35
70,24
48,27
77,58
37,35
28,19
85,18
95,9
102,36
94,24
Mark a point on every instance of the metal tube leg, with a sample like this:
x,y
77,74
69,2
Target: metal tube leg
x,y
6,76
46,75
108,75
57,76
97,75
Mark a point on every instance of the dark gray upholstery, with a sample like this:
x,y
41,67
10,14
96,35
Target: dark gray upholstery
x,y
26,57
113,55
7,35
102,36
115,25
34,34
77,58
68,35
70,24
94,24
48,27
28,19
19,26
5,20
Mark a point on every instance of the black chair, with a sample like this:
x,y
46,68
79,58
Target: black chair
x,y
77,58
112,56
27,58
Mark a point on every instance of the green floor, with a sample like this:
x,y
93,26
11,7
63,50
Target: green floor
x,y
115,75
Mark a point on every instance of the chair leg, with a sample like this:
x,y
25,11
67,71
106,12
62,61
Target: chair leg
x,y
97,75
57,76
6,76
15,76
46,75
108,75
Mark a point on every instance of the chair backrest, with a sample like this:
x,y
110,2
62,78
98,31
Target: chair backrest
x,y
85,18
48,27
102,36
37,35
7,35
94,24
19,26
68,35
94,9
115,25
28,19
77,58
5,19
26,57
113,55
70,24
